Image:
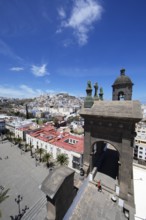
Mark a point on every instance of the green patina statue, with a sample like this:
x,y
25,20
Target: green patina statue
x,y
89,88
96,90
88,100
101,94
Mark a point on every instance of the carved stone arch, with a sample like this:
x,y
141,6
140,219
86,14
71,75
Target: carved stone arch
x,y
115,145
113,122
121,95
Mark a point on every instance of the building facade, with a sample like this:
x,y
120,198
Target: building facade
x,y
140,143
55,142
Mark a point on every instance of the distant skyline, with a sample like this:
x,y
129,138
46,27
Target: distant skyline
x,y
52,46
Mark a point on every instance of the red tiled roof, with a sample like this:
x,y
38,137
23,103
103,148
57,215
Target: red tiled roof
x,y
24,128
49,134
77,147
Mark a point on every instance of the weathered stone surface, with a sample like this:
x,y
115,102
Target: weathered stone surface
x,y
112,122
60,192
115,109
53,181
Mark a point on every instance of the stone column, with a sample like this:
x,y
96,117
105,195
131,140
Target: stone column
x,y
125,169
87,148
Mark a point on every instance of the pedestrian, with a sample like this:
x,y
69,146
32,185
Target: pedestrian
x,y
99,186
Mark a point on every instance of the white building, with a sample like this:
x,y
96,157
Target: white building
x,y
140,142
56,143
16,123
143,107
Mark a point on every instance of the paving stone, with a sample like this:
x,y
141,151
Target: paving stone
x,y
20,174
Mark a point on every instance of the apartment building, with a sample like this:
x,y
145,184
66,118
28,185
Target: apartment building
x,y
140,142
57,142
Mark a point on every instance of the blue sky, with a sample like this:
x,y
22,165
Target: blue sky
x,y
51,46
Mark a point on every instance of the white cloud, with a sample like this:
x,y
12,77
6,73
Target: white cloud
x,y
7,51
17,69
27,89
23,91
83,15
39,70
61,12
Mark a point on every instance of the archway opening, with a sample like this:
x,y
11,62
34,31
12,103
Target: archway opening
x,y
121,96
105,158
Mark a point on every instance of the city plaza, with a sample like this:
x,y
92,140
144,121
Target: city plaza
x,y
20,174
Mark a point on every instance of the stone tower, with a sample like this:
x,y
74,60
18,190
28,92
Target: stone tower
x,y
122,87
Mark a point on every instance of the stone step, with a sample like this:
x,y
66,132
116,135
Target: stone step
x,y
35,209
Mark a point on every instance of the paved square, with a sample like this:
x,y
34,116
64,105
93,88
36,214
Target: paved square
x,y
20,174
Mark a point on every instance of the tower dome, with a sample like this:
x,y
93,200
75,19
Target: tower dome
x,y
122,87
122,79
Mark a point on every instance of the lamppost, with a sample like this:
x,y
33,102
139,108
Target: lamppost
x,y
21,212
18,200
24,210
36,160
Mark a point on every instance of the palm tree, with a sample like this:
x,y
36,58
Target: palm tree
x,y
62,159
46,158
9,135
40,151
19,141
30,147
3,196
26,147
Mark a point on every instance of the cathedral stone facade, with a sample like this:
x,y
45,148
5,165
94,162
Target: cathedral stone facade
x,y
113,122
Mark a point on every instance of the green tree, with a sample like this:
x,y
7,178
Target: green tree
x,y
3,196
27,113
19,141
62,159
56,122
40,151
30,147
9,134
26,147
46,158
15,140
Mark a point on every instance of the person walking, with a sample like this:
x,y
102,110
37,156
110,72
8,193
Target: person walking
x,y
99,186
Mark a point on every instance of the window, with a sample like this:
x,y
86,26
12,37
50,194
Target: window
x,y
141,148
58,151
51,150
140,156
71,141
76,163
140,152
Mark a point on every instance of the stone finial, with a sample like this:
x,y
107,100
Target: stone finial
x,y
89,88
122,71
101,94
88,100
96,91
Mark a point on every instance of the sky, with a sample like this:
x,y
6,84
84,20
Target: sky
x,y
52,46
